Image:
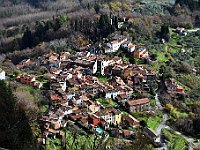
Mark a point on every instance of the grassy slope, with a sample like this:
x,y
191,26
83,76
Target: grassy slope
x,y
152,121
176,142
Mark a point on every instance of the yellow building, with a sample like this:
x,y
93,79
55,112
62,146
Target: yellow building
x,y
118,118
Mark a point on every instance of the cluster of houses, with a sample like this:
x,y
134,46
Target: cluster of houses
x,y
173,88
116,41
74,89
29,80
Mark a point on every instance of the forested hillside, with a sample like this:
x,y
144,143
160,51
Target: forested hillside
x,y
15,12
191,4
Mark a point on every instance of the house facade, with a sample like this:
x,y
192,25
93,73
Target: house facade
x,y
173,87
26,79
138,105
110,115
114,45
94,120
111,93
141,53
2,75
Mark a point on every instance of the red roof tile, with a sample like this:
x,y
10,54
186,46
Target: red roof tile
x,y
138,101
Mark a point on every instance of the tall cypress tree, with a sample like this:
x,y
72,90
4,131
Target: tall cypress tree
x,y
27,39
96,8
104,26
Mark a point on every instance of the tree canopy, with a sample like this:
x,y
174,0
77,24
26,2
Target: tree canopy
x,y
15,132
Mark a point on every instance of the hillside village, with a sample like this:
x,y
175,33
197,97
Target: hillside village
x,y
95,92
106,74
108,89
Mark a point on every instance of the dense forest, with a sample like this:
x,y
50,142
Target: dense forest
x,y
43,28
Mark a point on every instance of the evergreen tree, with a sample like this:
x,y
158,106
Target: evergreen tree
x,y
60,21
104,26
165,34
16,44
96,8
27,39
40,29
77,25
88,6
115,22
15,131
191,4
48,25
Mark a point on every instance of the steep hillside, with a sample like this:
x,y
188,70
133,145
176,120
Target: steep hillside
x,y
192,4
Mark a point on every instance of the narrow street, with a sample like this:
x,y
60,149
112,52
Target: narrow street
x,y
162,125
193,30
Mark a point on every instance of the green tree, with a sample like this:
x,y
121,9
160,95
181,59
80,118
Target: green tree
x,y
104,25
60,21
77,25
115,22
16,44
15,132
143,123
88,6
27,39
166,71
48,25
40,29
165,34
97,8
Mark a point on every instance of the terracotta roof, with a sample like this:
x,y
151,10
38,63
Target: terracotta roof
x,y
53,57
132,120
138,101
54,97
26,77
179,87
109,111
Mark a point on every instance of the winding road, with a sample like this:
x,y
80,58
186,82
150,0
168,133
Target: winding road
x,y
193,30
164,125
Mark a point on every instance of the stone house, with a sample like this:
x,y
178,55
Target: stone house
x,y
138,105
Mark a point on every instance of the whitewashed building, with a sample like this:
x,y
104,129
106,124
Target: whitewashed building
x,y
2,74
